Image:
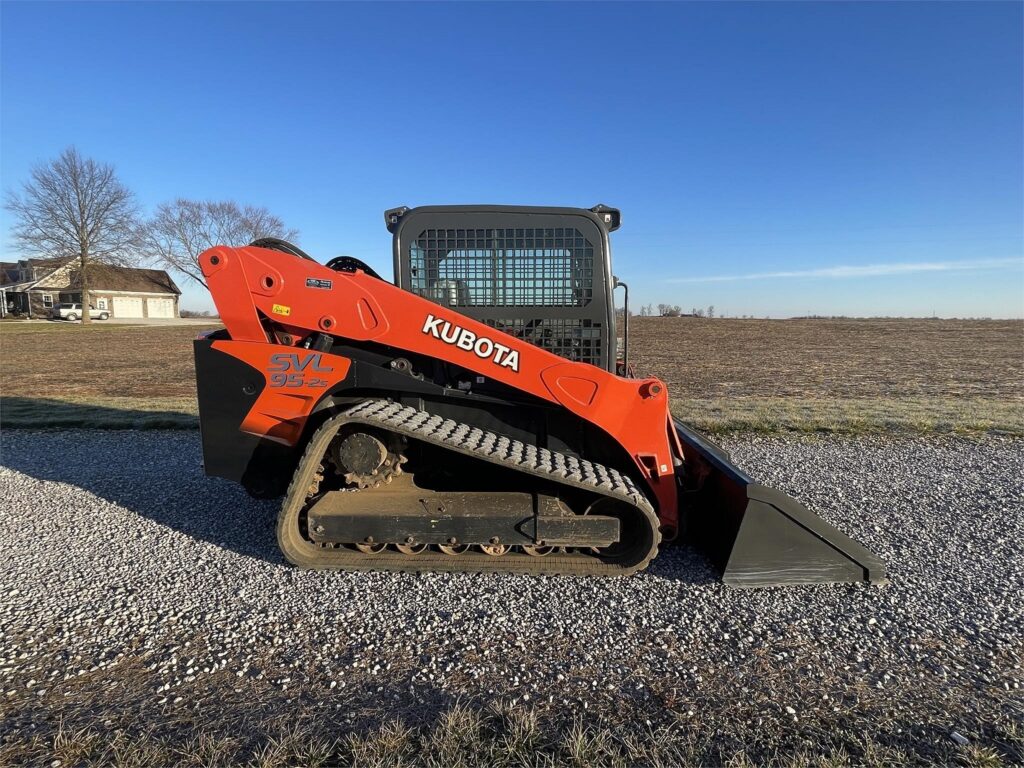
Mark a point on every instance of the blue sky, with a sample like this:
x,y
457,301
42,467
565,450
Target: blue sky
x,y
770,159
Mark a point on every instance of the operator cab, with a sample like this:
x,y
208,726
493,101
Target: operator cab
x,y
542,275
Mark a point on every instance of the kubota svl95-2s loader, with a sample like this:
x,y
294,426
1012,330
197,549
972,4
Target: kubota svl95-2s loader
x,y
476,413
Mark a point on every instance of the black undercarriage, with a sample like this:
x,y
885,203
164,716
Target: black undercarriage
x,y
402,498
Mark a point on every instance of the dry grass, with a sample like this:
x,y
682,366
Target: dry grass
x,y
60,375
495,736
850,376
847,376
854,416
63,361
716,359
729,714
77,411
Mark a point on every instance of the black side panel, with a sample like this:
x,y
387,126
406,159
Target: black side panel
x,y
227,389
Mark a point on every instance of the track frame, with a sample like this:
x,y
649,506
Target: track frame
x,y
573,473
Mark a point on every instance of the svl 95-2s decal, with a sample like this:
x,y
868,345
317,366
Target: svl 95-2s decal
x,y
288,370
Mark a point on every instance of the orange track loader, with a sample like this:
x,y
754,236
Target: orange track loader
x,y
476,414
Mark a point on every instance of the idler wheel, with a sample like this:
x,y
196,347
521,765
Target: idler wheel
x,y
362,454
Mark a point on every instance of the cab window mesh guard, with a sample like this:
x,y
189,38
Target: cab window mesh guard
x,y
513,267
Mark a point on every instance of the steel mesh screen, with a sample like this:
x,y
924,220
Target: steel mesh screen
x,y
573,339
509,267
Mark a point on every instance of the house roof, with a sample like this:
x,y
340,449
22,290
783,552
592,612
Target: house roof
x,y
104,277
10,271
50,263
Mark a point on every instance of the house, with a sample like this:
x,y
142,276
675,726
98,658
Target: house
x,y
31,287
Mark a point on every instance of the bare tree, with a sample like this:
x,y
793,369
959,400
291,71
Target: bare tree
x,y
75,207
181,230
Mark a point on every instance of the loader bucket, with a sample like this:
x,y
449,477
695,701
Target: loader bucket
x,y
758,536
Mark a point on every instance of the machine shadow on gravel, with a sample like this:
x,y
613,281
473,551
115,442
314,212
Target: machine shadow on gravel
x,y
158,475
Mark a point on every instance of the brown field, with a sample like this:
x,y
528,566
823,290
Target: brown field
x,y
838,375
766,375
64,375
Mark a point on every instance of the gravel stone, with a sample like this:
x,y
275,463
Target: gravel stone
x,y
117,551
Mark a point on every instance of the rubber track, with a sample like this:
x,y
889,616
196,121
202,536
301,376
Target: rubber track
x,y
477,443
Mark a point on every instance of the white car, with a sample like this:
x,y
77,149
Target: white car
x,y
74,312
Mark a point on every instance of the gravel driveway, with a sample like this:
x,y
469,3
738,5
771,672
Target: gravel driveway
x,y
133,590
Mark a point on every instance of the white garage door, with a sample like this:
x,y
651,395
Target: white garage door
x,y
160,307
125,307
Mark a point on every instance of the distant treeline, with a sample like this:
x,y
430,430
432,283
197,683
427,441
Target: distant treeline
x,y
195,313
667,310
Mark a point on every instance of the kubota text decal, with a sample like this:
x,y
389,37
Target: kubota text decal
x,y
463,338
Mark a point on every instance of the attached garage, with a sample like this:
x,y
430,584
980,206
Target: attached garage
x,y
124,292
125,306
159,307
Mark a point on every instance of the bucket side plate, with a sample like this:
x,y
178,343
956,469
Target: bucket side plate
x,y
757,536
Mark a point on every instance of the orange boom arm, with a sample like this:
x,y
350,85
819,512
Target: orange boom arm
x,y
270,301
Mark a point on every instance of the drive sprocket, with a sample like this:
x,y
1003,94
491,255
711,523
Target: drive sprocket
x,y
365,460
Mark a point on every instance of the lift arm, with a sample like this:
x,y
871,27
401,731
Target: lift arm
x,y
271,301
